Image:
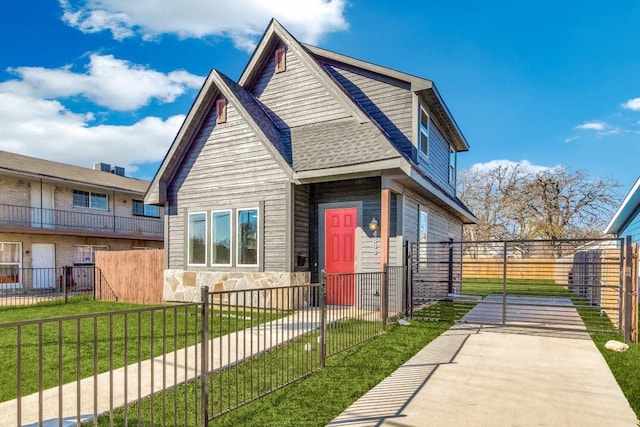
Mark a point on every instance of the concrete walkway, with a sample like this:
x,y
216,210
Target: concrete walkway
x,y
475,375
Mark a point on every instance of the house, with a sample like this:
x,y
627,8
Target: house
x,y
54,215
626,220
311,162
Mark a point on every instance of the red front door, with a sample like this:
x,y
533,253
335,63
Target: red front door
x,y
340,231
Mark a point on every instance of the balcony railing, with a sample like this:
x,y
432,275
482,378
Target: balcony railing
x,y
52,219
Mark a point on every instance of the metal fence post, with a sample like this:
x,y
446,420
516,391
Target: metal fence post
x,y
504,283
63,283
323,319
204,355
384,297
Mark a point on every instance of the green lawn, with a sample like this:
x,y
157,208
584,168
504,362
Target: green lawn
x,y
88,337
312,401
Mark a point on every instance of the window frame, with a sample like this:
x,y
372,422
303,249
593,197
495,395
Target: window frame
x,y
423,134
453,165
188,238
231,235
423,225
238,238
89,196
144,213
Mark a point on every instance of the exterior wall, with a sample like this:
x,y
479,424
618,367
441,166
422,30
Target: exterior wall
x,y
387,101
180,285
301,227
228,167
438,167
295,97
633,229
15,191
65,244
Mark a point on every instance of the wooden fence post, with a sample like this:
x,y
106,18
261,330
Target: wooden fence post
x,y
633,332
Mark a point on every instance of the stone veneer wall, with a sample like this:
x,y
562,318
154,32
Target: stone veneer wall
x,y
184,286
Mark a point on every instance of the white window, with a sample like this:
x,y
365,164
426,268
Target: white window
x,y
87,199
423,229
452,166
197,238
141,209
85,254
10,263
247,247
221,237
424,133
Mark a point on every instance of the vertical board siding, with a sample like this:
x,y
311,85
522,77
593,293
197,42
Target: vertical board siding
x,y
135,276
296,96
228,167
301,225
388,102
438,168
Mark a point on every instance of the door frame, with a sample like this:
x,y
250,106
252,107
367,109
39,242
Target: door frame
x,y
322,207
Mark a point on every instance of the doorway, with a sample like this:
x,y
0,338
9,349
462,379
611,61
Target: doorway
x,y
43,261
340,226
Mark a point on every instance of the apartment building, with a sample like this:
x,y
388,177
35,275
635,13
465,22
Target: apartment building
x,y
54,215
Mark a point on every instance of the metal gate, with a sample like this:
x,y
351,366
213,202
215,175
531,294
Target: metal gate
x,y
559,284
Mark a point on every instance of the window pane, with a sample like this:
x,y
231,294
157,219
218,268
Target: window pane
x,y
152,210
82,255
80,199
424,142
221,238
422,236
99,201
138,207
9,253
197,238
248,237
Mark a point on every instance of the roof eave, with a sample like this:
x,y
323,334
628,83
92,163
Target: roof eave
x,y
626,210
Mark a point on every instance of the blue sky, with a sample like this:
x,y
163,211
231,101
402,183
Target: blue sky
x,y
547,83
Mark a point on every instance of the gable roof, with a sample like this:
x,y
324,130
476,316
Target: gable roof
x,y
629,208
17,164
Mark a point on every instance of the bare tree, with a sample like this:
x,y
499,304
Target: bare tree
x,y
512,202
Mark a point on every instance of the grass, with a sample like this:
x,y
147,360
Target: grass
x,y
312,401
110,335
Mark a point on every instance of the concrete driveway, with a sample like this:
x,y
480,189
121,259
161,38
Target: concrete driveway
x,y
475,375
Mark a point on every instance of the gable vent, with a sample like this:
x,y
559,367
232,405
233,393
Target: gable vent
x,y
281,60
221,110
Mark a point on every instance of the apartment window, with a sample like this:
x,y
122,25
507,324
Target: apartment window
x,y
221,110
142,209
452,166
281,60
10,263
85,254
247,248
87,199
197,238
221,237
424,133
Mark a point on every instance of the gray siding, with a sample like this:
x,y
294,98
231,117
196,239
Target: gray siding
x,y
301,225
387,101
295,97
228,167
438,169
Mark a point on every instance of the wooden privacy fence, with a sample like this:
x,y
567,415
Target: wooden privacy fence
x,y
135,276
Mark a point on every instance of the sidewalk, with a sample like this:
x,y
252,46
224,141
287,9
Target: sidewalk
x,y
476,375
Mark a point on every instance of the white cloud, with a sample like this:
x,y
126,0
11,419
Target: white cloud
x,y
113,83
46,129
241,20
595,125
524,165
571,139
632,104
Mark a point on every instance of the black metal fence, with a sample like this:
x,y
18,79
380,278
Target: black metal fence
x,y
26,286
560,284
190,363
29,217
